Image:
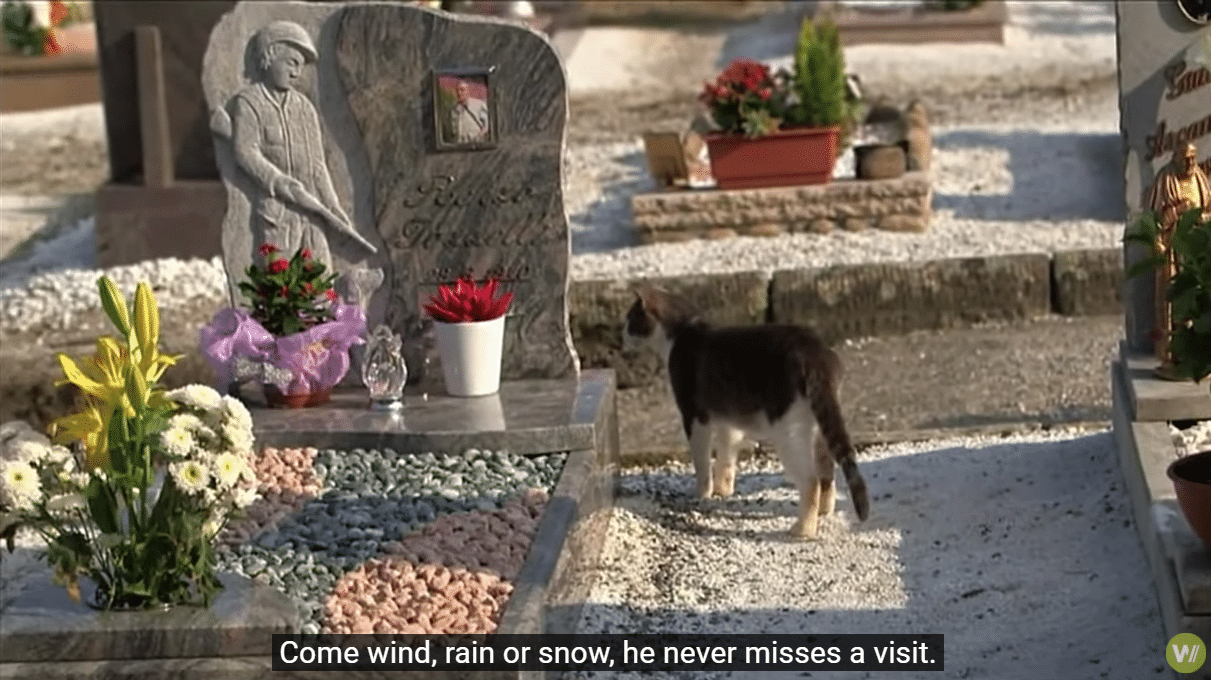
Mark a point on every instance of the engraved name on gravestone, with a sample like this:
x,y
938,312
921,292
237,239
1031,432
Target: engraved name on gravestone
x,y
1164,71
288,148
462,120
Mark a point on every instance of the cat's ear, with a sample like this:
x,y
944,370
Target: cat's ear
x,y
652,300
646,297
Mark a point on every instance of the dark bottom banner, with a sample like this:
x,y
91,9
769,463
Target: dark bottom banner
x,y
652,652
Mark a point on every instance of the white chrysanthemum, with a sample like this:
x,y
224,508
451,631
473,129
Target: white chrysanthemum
x,y
248,474
20,487
227,468
191,476
198,396
188,421
205,457
79,479
177,441
239,436
213,525
61,456
28,449
235,412
245,497
66,503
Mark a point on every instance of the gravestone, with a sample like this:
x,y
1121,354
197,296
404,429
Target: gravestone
x,y
1164,71
422,144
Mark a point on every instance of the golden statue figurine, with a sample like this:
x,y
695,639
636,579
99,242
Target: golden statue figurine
x,y
1179,187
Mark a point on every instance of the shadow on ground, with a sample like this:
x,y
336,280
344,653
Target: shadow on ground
x,y
1056,176
603,222
1084,19
999,545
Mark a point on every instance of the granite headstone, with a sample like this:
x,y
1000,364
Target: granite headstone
x,y
1164,71
420,143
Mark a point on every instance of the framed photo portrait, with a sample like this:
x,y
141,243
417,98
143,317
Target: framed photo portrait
x,y
464,109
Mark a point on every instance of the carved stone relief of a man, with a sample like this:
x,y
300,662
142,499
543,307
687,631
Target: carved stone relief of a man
x,y
1180,186
278,141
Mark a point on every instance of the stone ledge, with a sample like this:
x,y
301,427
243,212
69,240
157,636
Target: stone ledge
x,y
1087,282
861,300
1181,565
1152,399
982,23
900,204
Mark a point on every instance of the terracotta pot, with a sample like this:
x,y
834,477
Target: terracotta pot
x,y
1191,477
275,398
790,157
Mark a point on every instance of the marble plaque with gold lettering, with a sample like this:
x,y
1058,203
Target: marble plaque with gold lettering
x,y
1164,74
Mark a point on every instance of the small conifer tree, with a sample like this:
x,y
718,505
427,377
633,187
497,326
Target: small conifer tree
x,y
819,77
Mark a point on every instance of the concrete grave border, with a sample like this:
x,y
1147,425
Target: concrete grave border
x,y
1181,565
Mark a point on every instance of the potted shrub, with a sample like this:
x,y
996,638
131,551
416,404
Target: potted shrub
x,y
296,336
133,509
780,129
1190,343
469,325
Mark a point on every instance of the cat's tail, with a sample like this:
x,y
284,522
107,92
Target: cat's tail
x,y
827,409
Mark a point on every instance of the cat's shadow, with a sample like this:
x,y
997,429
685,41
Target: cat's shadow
x,y
678,508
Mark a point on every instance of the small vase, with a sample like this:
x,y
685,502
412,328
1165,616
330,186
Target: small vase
x,y
384,371
471,356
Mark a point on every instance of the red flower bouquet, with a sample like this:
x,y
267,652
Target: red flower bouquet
x,y
295,337
289,295
466,302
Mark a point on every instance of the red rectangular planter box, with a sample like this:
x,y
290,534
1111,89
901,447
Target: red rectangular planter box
x,y
788,157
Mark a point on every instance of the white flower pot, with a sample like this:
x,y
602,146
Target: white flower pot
x,y
471,355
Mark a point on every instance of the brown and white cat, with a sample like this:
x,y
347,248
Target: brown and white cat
x,y
770,383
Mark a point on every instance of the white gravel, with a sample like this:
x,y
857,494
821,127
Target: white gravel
x,y
1020,550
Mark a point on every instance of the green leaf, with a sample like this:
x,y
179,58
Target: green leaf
x,y
102,505
1146,265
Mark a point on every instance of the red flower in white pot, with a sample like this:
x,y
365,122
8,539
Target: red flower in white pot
x,y
470,324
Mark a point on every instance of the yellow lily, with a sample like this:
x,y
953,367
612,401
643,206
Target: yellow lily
x,y
101,376
90,426
114,304
151,363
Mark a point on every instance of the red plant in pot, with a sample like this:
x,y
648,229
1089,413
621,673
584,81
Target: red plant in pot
x,y
465,302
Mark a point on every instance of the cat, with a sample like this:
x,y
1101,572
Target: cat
x,y
772,383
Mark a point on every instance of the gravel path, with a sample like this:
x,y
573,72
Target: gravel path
x,y
1020,550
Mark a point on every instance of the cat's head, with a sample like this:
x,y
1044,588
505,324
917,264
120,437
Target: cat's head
x,y
654,318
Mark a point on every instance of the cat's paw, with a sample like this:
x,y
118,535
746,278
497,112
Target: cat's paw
x,y
705,489
803,530
725,484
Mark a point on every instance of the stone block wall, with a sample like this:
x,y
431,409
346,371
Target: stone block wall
x,y
900,204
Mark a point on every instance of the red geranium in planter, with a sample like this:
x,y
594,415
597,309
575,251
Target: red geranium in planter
x,y
783,128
